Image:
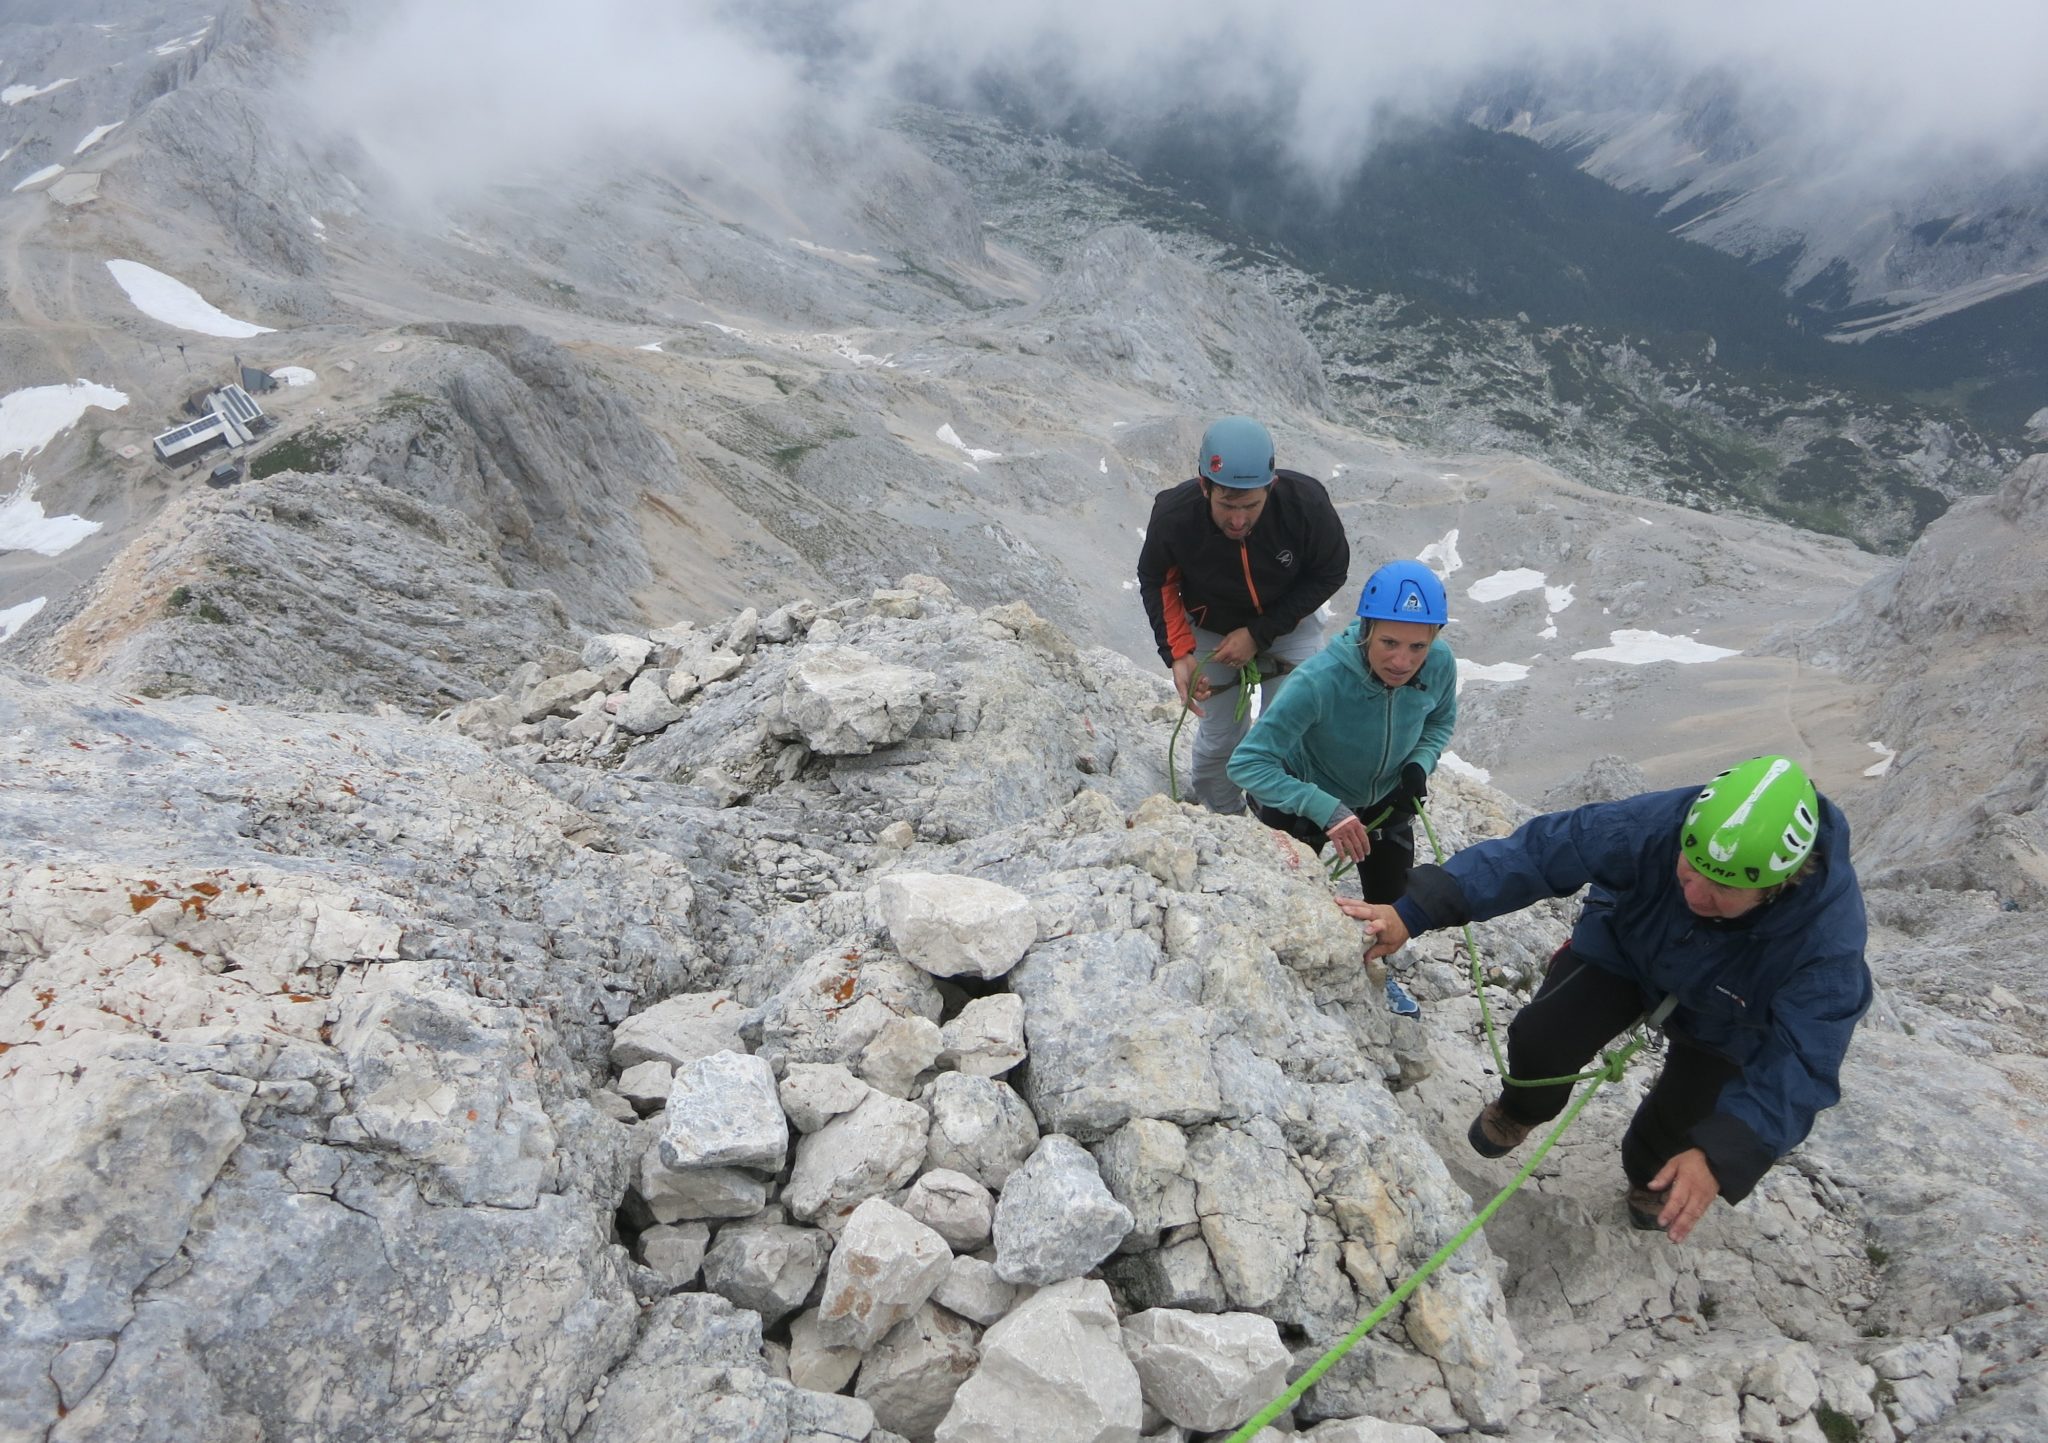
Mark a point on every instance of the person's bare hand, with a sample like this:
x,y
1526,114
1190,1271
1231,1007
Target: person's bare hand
x,y
1236,649
1350,839
1689,1187
1188,681
1387,932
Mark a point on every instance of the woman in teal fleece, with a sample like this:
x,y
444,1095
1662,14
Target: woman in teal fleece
x,y
1358,730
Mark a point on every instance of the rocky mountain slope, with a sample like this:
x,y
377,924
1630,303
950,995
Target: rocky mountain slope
x,y
1675,375
382,1052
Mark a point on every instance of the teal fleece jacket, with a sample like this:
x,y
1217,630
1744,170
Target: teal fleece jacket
x,y
1337,736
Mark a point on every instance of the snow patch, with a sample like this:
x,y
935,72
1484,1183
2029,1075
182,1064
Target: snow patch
x,y
31,419
1640,648
951,437
837,255
48,172
15,94
24,527
1549,633
164,298
845,348
727,330
1104,465
650,346
94,136
1885,758
1496,671
185,42
1442,555
1458,766
1504,584
14,618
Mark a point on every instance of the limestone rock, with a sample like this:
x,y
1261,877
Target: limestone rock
x,y
675,1250
975,1291
813,1093
1056,1220
986,1037
646,1085
953,1205
556,695
833,1006
680,1029
1053,1371
903,1048
1206,1370
1145,1165
723,1112
674,1195
616,657
1255,1207
874,1149
957,926
979,1127
1177,1275
910,1377
1106,1048
845,702
886,1265
647,707
769,1267
698,1375
816,1364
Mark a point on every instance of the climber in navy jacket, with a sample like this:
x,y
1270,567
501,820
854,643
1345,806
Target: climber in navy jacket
x,y
1737,900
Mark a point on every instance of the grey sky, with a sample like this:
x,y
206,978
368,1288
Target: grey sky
x,y
476,89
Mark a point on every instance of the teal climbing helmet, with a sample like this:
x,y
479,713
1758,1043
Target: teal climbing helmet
x,y
1404,591
1236,452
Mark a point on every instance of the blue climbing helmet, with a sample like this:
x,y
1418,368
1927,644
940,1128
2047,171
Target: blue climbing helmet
x,y
1404,591
1236,452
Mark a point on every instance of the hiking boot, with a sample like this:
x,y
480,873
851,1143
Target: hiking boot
x,y
1643,1208
1494,1133
1399,1002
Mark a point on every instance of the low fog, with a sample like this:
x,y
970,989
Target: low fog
x,y
472,92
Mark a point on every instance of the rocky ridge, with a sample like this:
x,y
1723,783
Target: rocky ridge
x,y
811,1025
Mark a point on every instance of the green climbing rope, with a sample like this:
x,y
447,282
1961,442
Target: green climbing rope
x,y
1247,682
1611,1067
1610,1071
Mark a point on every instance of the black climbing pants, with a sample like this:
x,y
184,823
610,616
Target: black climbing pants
x,y
1383,874
1578,1010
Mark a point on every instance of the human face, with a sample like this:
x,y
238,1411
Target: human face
x,y
1708,898
1396,650
1235,511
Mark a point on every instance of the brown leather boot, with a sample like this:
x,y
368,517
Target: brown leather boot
x,y
1644,1206
1494,1133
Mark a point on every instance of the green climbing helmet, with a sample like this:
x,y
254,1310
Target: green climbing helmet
x,y
1236,452
1754,825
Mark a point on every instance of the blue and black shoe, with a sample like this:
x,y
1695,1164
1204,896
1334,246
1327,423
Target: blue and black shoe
x,y
1399,1002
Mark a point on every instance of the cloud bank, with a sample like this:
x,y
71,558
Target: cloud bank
x,y
466,92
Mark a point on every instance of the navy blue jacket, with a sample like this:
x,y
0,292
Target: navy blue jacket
x,y
1777,992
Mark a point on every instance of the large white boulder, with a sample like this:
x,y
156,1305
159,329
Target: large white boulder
x,y
1053,1371
957,926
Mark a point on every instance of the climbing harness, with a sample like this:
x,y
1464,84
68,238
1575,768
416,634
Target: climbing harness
x,y
1612,1064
